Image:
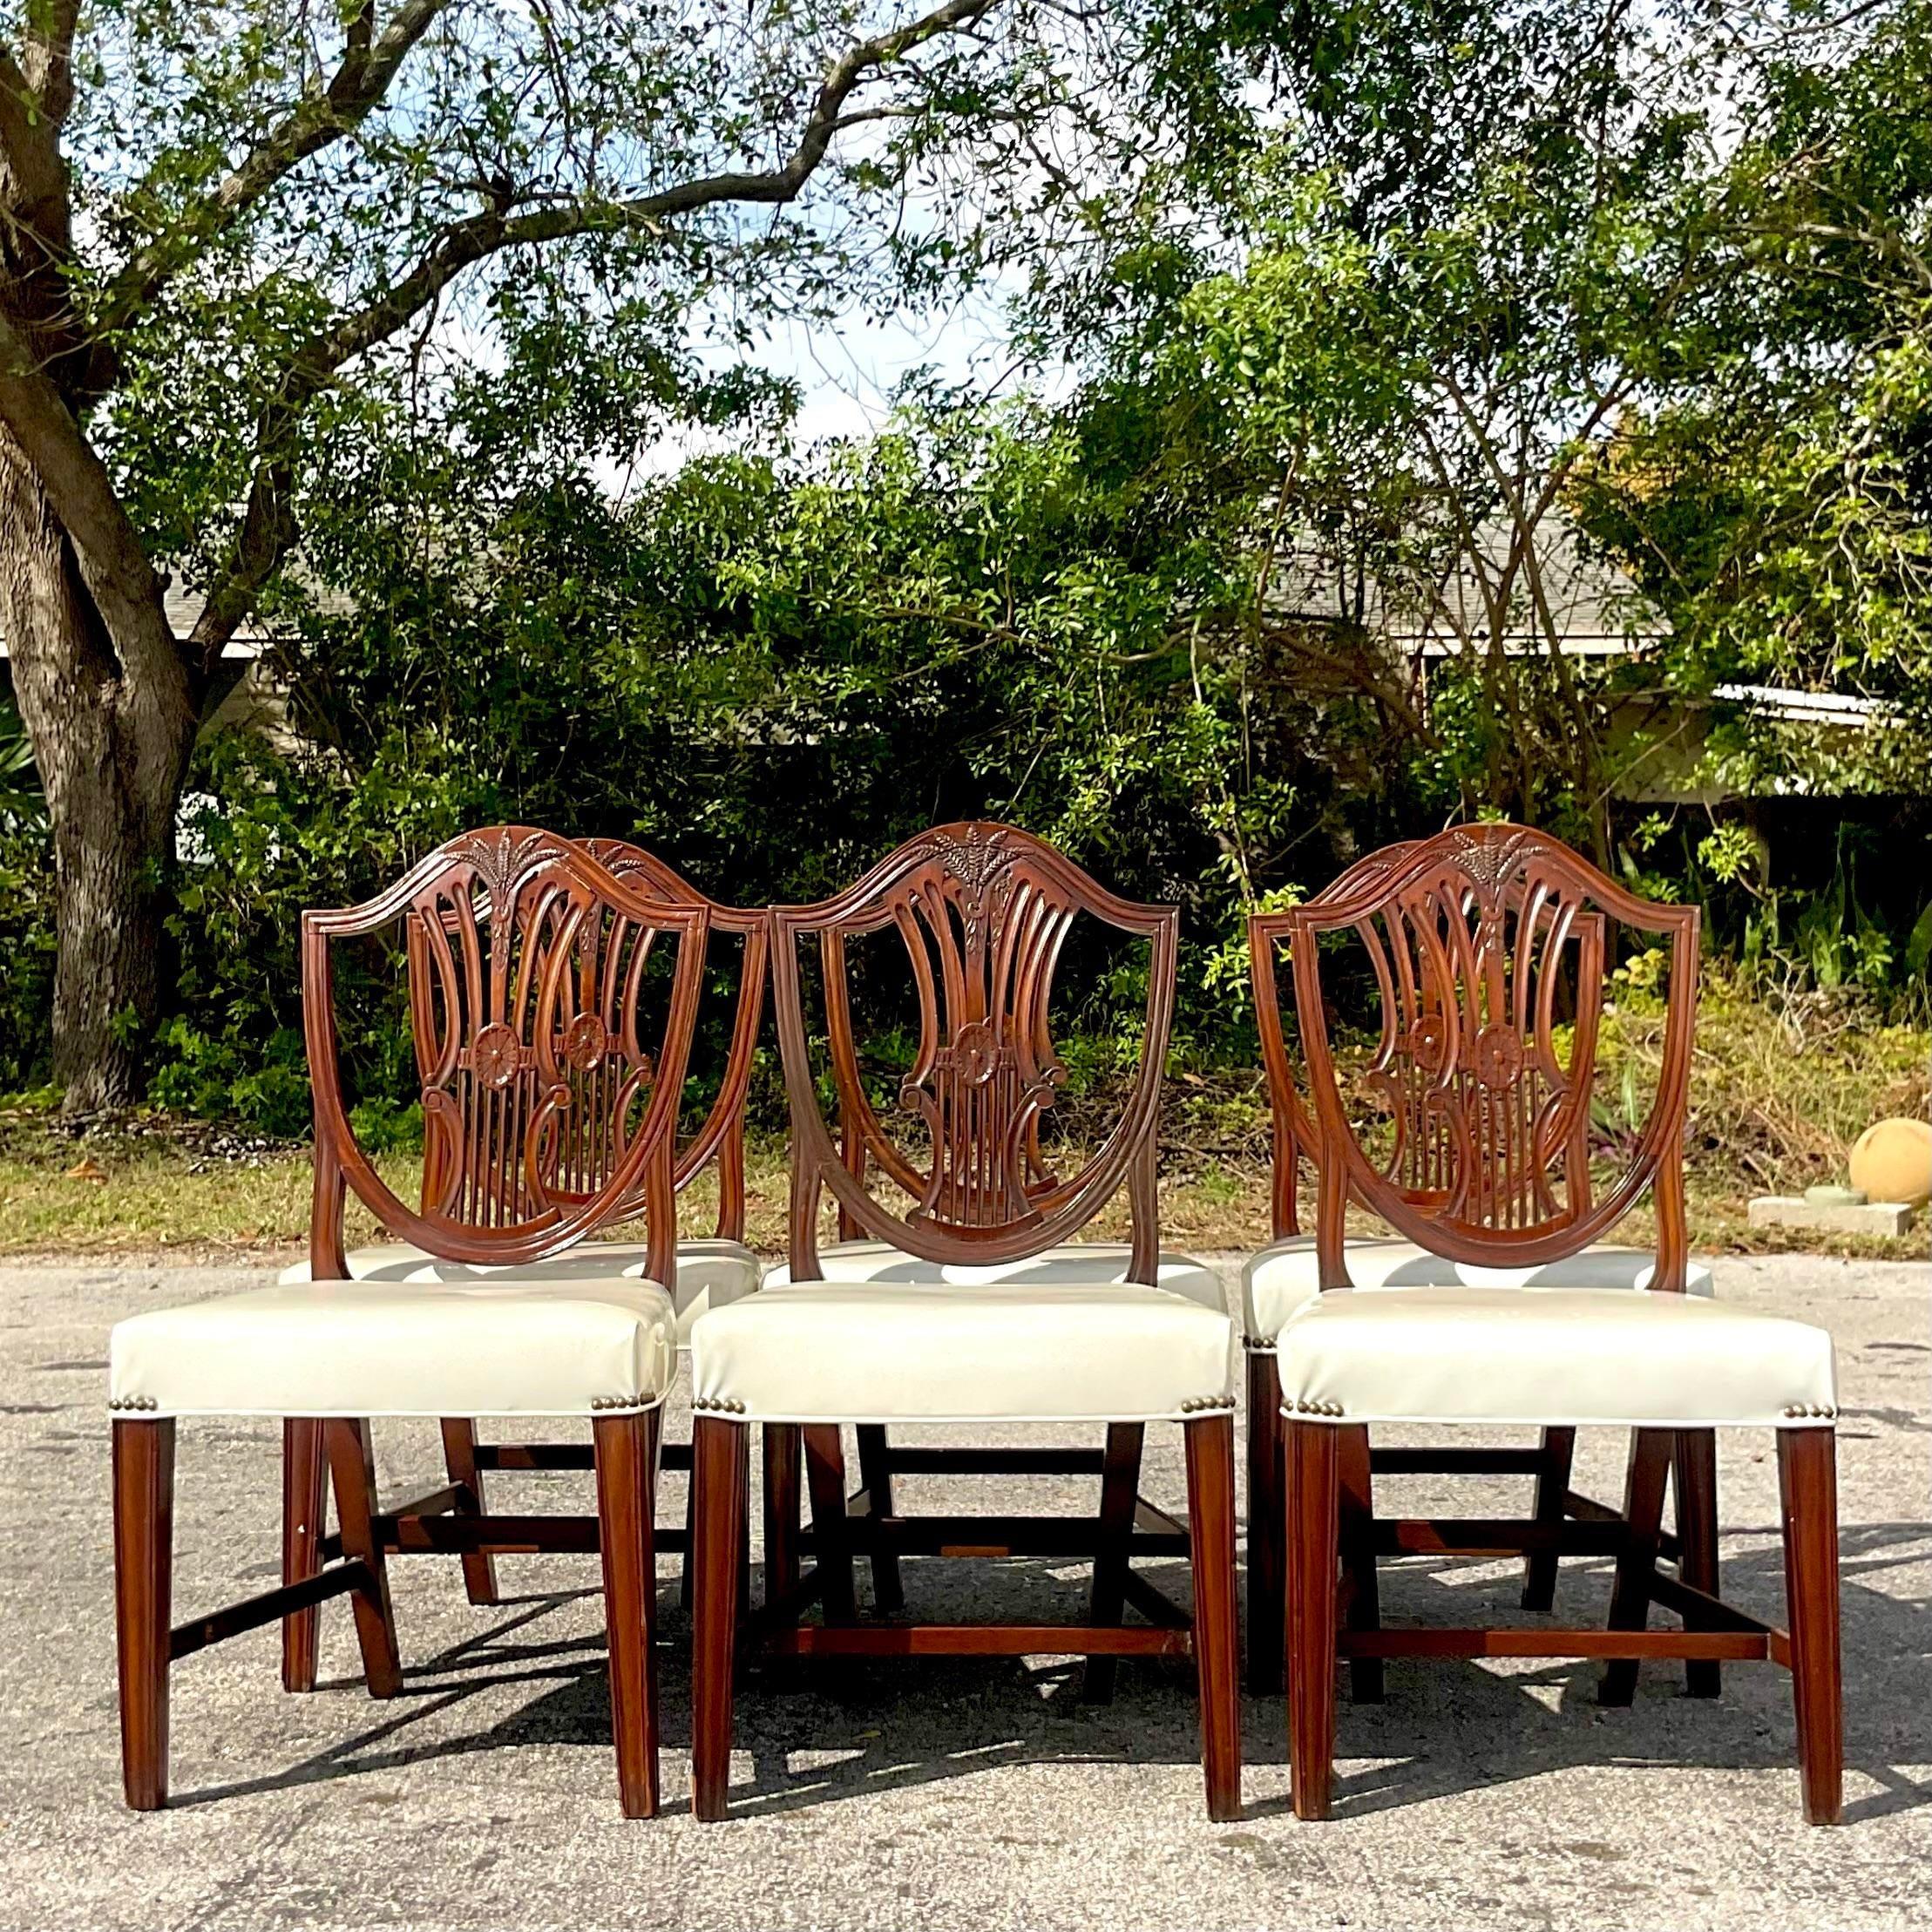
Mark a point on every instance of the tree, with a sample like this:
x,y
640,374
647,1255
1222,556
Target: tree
x,y
224,230
1775,498
1477,234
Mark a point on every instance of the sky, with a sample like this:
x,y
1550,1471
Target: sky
x,y
848,370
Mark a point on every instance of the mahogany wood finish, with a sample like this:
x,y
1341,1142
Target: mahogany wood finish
x,y
831,1537
550,1112
626,1452
1217,1640
1559,1452
144,1574
1712,1630
1313,1520
459,1458
1471,936
544,1101
719,1462
874,1476
626,1486
352,1466
597,1103
527,968
1465,933
983,912
1267,1446
304,1477
1480,942
1356,1515
1650,1468
1694,1472
1211,1636
784,1465
1120,1486
1807,1478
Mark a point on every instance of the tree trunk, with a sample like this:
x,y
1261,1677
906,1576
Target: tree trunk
x,y
112,755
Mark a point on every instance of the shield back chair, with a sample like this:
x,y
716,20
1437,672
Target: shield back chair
x,y
1285,1275
505,1045
866,1149
464,1163
1471,1102
992,1312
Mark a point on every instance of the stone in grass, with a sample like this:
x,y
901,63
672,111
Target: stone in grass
x,y
1890,1218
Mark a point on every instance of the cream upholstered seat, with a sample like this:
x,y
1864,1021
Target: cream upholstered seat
x,y
710,1272
1282,1280
935,1351
1552,1356
1072,1262
373,1348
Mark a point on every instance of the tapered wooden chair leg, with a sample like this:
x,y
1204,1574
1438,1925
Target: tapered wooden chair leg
x,y
1808,1480
144,1570
1265,1601
304,1505
875,1475
352,1463
1694,1461
1120,1490
1312,1519
1216,1638
626,1465
459,1458
825,1476
687,1588
1643,1482
717,1475
1558,1453
784,1472
1356,1496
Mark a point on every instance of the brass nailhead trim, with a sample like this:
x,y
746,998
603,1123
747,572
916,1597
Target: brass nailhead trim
x,y
1823,1411
619,1402
1195,1403
721,1404
1300,1407
132,1402
1258,1341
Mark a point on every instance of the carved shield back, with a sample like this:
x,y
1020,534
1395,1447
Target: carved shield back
x,y
981,912
1468,1126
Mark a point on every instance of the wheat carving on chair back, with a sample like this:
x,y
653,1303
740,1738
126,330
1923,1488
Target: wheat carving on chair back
x,y
548,1108
983,911
1488,948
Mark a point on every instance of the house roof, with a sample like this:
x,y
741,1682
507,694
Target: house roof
x,y
1596,609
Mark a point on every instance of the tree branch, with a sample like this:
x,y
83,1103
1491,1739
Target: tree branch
x,y
113,564
36,193
267,528
47,58
369,65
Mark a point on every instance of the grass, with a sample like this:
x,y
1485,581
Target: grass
x,y
1779,1093
155,1202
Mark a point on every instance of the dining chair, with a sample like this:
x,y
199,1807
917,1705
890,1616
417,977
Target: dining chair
x,y
1283,1278
473,1173
1472,1098
1000,1316
867,1150
328,1356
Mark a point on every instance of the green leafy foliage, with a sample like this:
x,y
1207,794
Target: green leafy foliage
x,y
1385,323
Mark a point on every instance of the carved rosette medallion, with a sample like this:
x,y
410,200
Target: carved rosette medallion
x,y
496,1054
1498,1056
585,1042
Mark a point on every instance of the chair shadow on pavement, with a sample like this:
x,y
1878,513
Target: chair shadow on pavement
x,y
820,1732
